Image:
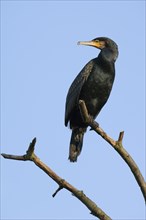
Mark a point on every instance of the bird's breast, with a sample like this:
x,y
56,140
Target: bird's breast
x,y
96,90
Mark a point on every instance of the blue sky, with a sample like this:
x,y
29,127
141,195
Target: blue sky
x,y
39,60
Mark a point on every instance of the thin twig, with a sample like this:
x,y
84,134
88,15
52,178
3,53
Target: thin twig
x,y
14,157
59,188
121,135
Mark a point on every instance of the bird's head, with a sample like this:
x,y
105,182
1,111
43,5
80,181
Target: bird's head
x,y
102,43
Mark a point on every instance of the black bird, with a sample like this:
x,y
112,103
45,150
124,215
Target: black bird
x,y
93,85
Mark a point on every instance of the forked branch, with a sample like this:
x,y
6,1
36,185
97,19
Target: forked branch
x,y
95,210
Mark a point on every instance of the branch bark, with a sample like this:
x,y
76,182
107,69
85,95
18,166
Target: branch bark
x,y
30,156
117,145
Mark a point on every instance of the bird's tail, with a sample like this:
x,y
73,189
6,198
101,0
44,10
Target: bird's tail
x,y
76,143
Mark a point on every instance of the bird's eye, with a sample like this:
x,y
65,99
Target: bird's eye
x,y
106,42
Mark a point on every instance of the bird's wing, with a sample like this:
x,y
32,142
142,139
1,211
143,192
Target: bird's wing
x,y
75,89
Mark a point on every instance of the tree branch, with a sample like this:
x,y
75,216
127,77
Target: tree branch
x,y
117,145
30,156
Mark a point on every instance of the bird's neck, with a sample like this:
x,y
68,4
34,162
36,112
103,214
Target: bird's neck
x,y
108,55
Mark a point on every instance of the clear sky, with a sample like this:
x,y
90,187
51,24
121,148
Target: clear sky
x,y
39,60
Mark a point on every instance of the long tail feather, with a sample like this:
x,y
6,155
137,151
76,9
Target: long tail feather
x,y
76,143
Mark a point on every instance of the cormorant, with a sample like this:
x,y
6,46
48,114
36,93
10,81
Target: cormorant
x,y
93,85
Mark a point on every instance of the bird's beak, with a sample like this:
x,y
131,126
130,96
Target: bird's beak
x,y
97,44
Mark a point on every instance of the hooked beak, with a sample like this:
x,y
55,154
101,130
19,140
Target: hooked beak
x,y
97,44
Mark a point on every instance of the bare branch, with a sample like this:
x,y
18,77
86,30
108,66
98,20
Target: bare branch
x,y
117,145
30,156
